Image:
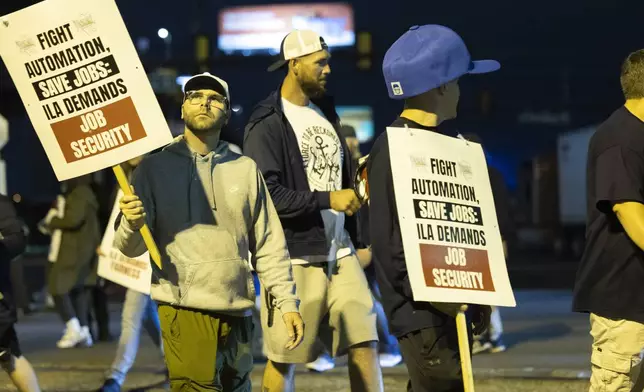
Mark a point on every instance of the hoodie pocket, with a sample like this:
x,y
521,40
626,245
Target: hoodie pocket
x,y
211,273
218,285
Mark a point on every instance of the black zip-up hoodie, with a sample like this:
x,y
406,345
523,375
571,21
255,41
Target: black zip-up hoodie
x,y
271,142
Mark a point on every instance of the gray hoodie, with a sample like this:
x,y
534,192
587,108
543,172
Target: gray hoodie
x,y
206,214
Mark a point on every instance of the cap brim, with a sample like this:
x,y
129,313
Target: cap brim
x,y
484,66
277,65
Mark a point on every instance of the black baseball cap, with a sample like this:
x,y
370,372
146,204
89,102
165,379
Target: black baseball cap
x,y
207,81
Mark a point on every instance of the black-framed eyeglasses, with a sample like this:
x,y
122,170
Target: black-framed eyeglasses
x,y
214,101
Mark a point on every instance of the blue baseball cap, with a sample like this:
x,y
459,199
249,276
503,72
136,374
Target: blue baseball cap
x,y
426,57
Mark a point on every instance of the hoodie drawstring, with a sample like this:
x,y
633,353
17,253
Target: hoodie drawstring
x,y
206,179
212,183
191,176
180,147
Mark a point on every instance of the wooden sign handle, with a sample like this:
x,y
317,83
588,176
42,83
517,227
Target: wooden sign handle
x,y
145,230
464,348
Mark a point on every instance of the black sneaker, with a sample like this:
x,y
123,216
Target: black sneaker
x,y
110,385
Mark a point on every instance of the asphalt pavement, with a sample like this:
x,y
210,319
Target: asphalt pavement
x,y
548,349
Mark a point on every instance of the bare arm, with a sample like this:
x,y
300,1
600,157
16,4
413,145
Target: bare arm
x,y
631,216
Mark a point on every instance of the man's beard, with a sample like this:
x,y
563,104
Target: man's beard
x,y
201,127
312,89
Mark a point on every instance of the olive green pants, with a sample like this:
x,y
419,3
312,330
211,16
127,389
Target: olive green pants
x,y
205,351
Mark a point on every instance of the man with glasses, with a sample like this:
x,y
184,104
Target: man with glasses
x,y
207,208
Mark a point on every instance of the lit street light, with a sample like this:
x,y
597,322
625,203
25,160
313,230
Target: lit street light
x,y
165,35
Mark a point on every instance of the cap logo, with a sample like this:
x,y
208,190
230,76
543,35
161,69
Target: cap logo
x,y
397,88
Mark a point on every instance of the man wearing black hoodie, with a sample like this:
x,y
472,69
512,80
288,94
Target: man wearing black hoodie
x,y
293,137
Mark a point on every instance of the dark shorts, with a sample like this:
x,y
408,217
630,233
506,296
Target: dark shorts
x,y
433,360
8,336
9,340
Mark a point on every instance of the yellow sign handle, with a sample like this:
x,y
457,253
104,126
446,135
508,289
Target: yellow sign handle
x,y
464,348
145,230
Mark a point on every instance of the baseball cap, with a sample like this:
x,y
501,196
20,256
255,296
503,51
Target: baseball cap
x,y
296,44
207,81
426,57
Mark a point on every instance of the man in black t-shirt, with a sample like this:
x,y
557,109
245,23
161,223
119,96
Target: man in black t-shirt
x,y
422,67
610,279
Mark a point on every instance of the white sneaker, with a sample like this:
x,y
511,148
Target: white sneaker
x,y
73,335
497,346
479,347
322,364
49,302
389,360
87,337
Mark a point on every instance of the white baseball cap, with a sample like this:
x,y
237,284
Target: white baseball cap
x,y
296,44
207,81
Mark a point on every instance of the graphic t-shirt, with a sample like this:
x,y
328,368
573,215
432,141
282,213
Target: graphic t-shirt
x,y
322,155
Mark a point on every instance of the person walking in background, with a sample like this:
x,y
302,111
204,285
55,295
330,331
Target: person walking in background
x,y
492,340
293,136
97,306
98,317
73,269
611,272
207,208
422,68
139,312
99,301
99,311
21,295
12,243
353,143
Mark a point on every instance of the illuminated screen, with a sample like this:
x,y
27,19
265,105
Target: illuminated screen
x,y
360,118
260,29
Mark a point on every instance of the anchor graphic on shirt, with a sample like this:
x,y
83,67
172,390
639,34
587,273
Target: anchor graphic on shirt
x,y
323,162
